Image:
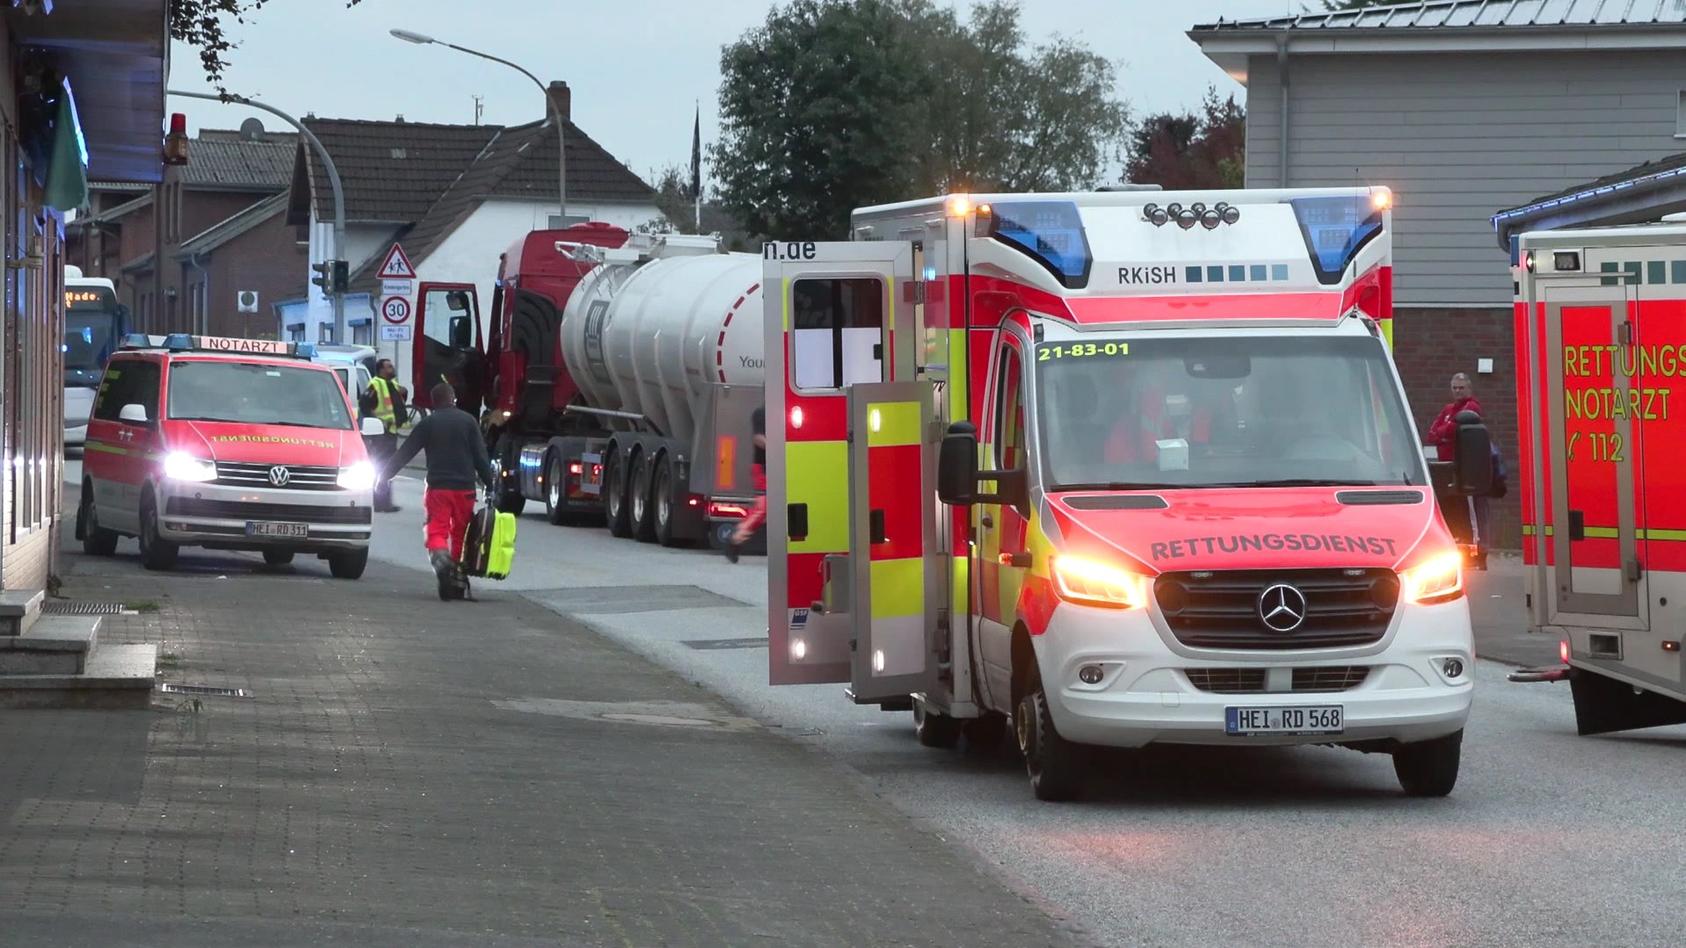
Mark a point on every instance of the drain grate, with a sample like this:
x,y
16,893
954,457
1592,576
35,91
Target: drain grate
x,y
203,691
68,607
710,644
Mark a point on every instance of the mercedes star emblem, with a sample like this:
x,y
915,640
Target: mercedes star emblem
x,y
279,476
1282,607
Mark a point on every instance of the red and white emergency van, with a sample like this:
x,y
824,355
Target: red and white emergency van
x,y
1600,339
229,444
1117,468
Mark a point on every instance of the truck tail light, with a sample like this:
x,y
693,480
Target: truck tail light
x,y
1563,651
729,511
576,468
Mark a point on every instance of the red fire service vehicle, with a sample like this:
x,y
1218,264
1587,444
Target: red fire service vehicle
x,y
1118,468
229,444
1600,338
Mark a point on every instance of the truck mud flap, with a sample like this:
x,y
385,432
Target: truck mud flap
x,y
1603,705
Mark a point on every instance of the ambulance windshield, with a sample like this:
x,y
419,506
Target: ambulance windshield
x,y
1221,412
256,393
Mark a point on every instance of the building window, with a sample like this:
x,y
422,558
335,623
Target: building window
x,y
295,332
361,335
1680,115
325,332
556,222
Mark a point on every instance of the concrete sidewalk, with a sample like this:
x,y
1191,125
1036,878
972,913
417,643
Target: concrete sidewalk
x,y
406,771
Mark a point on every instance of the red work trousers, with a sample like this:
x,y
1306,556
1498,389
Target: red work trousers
x,y
448,514
758,511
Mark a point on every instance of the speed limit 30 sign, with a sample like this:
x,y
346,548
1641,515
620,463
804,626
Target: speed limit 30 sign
x,y
395,310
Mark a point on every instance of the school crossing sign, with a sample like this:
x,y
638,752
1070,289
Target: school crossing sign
x,y
396,266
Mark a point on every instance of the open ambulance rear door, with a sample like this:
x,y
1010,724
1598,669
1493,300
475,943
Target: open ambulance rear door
x,y
857,581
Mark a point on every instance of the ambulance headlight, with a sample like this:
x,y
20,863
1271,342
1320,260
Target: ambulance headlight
x,y
1095,583
359,476
1437,579
181,466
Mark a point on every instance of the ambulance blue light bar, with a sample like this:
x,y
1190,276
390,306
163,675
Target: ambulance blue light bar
x,y
1335,228
1049,232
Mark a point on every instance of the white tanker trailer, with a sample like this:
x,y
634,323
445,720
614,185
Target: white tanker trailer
x,y
661,345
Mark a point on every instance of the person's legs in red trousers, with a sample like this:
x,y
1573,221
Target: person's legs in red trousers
x,y
753,520
448,513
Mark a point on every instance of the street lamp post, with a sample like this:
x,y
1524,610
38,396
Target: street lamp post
x,y
337,296
555,110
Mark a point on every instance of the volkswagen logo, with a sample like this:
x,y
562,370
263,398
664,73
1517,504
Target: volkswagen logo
x,y
279,475
1282,607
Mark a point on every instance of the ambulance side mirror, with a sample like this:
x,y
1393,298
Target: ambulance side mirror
x,y
134,414
1472,456
957,465
462,332
371,426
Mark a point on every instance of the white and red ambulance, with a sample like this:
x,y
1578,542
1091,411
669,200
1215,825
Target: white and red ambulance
x,y
229,444
1117,468
1600,339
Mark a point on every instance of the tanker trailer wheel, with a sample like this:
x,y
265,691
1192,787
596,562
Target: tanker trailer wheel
x,y
555,489
638,479
614,494
661,495
509,497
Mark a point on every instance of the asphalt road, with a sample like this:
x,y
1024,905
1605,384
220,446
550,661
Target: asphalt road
x,y
1550,839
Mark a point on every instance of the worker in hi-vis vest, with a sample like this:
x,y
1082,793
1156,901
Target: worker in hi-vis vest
x,y
384,399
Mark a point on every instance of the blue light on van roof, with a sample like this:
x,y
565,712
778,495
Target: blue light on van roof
x,y
1049,232
305,350
1334,229
178,341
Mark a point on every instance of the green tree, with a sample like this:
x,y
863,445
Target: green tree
x,y
837,104
1204,150
200,24
679,213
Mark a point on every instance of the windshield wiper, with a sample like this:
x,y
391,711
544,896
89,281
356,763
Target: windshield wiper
x,y
1126,485
1303,482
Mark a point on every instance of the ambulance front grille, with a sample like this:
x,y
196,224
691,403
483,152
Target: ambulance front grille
x,y
299,476
240,510
1228,681
1238,681
1220,608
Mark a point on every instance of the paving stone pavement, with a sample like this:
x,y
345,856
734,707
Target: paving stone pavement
x,y
410,772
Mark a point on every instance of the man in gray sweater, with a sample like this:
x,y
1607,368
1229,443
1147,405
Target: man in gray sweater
x,y
456,462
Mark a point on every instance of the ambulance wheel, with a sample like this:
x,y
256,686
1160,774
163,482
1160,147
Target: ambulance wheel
x,y
349,565
643,511
96,541
278,557
661,497
156,553
614,495
1054,764
934,729
555,501
1429,768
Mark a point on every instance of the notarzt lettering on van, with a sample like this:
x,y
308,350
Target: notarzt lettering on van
x,y
1146,275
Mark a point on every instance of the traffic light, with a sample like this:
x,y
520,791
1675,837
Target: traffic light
x,y
333,276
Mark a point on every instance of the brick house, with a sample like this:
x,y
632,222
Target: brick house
x,y
82,93
223,233
1462,107
453,196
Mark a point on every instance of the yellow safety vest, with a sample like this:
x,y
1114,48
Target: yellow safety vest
x,y
383,404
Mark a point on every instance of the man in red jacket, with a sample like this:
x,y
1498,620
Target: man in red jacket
x,y
1443,434
1466,517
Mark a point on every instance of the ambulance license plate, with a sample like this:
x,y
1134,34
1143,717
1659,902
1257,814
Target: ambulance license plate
x,y
1323,719
266,528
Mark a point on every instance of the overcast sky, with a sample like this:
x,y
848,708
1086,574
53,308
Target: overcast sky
x,y
636,69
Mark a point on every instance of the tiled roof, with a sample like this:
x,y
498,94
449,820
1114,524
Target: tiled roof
x,y
1472,14
1643,192
226,230
519,163
228,161
391,171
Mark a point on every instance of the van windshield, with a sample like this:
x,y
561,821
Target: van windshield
x,y
255,393
1221,412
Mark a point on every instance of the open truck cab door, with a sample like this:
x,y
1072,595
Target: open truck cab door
x,y
857,574
448,345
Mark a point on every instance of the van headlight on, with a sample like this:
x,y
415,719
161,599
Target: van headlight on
x,y
1437,579
359,476
1095,583
181,466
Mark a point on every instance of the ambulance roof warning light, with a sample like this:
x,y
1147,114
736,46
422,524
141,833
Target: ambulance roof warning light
x,y
1381,199
1197,213
959,205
